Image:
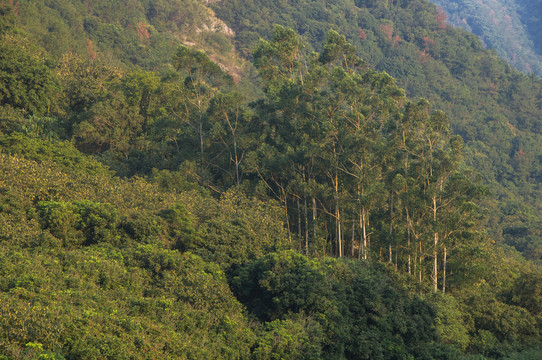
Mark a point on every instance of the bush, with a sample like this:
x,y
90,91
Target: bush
x,y
62,220
80,222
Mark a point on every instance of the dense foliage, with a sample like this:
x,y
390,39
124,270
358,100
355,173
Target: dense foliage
x,y
155,204
510,27
494,108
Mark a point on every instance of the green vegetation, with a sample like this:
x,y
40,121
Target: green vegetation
x,y
494,108
510,27
157,204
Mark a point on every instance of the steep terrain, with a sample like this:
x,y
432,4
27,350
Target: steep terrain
x,y
174,187
493,107
510,27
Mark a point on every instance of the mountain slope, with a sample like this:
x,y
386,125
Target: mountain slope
x,y
324,215
493,107
510,27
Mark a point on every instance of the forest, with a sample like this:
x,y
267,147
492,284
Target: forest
x,y
252,179
510,27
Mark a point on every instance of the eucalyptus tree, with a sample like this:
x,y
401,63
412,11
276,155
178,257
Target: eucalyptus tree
x,y
346,137
231,130
189,97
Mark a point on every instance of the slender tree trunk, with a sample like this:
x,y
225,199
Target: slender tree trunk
x,y
328,239
408,240
368,247
353,237
444,272
339,230
314,215
342,237
237,177
390,234
201,139
233,131
420,259
435,246
415,262
396,253
286,213
338,215
306,225
361,238
364,232
298,217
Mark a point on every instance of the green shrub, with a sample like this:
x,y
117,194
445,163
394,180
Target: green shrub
x,y
180,227
62,220
80,222
99,222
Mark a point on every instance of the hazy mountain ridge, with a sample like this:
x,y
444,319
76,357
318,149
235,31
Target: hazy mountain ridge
x,y
510,27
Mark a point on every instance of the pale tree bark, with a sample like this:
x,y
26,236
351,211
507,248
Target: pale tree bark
x,y
444,272
361,244
390,234
435,246
408,240
420,259
306,225
353,238
365,245
314,216
338,215
298,216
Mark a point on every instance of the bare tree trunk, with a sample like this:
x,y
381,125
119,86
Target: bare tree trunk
x,y
201,143
306,225
237,177
353,237
298,217
368,246
286,213
444,273
364,233
390,234
415,262
435,246
396,253
361,238
338,215
314,215
339,230
420,258
408,240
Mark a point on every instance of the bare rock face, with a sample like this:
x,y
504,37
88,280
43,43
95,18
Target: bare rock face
x,y
216,25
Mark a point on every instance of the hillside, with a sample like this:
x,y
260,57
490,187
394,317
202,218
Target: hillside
x,y
93,266
510,27
493,107
185,180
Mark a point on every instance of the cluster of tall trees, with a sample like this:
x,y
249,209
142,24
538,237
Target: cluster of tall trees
x,y
490,104
360,170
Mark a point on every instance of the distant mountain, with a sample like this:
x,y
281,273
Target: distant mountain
x,y
510,27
